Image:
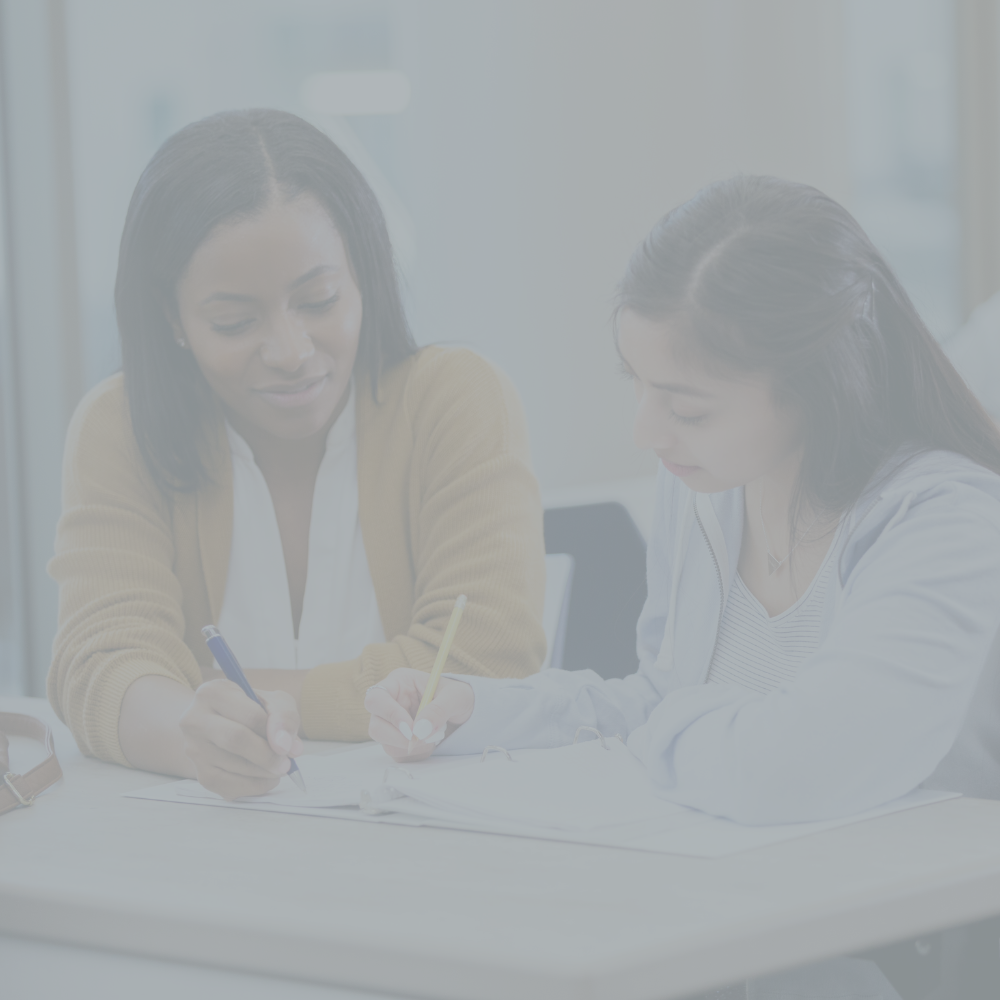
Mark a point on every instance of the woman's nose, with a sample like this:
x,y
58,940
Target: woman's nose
x,y
287,347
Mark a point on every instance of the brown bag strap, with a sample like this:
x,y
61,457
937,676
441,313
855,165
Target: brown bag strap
x,y
21,789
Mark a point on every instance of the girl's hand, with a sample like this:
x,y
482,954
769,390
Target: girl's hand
x,y
237,747
394,701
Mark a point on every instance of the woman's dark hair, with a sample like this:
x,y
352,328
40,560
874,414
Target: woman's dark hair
x,y
222,169
763,275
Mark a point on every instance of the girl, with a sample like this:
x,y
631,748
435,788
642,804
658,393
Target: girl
x,y
824,566
279,458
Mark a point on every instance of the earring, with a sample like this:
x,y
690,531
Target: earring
x,y
181,343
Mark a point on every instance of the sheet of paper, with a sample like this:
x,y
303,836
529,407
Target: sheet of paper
x,y
581,788
336,782
688,831
331,780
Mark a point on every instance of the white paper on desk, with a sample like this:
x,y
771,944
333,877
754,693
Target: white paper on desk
x,y
649,823
687,831
331,779
589,794
581,788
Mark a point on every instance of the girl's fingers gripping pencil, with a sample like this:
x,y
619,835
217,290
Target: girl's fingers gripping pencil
x,y
442,658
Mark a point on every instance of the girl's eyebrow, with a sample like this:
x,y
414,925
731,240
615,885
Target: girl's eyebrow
x,y
674,387
681,390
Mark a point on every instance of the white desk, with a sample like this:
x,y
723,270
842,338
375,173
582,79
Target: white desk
x,y
444,914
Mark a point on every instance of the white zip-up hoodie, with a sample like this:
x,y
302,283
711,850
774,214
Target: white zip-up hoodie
x,y
896,695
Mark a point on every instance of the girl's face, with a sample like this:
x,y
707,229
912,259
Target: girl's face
x,y
272,313
714,432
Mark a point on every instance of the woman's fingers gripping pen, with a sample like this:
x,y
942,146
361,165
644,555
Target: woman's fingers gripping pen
x,y
226,659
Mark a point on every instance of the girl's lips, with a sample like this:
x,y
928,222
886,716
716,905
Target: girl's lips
x,y
680,470
288,399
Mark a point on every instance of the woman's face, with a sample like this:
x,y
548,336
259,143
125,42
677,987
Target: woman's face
x,y
271,312
714,432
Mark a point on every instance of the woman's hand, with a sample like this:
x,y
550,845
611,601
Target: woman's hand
x,y
393,702
236,746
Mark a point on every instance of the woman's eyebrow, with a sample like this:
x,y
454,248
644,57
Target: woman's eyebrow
x,y
226,297
307,277
314,273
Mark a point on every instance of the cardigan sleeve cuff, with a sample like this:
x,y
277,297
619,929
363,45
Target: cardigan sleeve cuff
x,y
98,721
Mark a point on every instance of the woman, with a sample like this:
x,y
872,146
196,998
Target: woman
x,y
824,566
279,458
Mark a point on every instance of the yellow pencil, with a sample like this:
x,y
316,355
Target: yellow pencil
x,y
442,658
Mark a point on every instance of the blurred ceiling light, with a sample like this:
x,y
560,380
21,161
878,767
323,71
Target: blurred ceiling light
x,y
382,92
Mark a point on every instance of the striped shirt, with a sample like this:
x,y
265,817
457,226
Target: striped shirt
x,y
759,652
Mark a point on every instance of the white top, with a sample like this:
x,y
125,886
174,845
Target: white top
x,y
340,613
759,652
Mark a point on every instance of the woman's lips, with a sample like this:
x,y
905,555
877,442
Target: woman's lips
x,y
679,470
299,394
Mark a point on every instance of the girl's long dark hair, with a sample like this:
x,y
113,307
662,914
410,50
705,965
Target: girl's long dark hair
x,y
763,275
221,169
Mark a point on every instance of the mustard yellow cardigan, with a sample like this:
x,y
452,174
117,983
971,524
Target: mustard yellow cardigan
x,y
447,503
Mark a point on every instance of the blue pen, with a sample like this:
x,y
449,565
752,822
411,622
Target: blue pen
x,y
231,668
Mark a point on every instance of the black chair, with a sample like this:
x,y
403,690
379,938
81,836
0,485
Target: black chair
x,y
609,585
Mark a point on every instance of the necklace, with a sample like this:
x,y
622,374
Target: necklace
x,y
773,562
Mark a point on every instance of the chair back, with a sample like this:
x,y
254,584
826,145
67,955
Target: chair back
x,y
608,585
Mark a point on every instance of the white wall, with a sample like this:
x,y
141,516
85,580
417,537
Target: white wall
x,y
547,141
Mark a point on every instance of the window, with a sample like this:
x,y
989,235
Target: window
x,y
901,103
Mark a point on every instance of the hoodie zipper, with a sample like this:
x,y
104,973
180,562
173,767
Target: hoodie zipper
x,y
722,589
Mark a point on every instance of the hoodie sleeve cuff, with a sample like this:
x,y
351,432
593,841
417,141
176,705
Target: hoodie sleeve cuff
x,y
490,715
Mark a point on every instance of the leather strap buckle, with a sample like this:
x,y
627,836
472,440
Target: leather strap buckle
x,y
40,777
9,782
